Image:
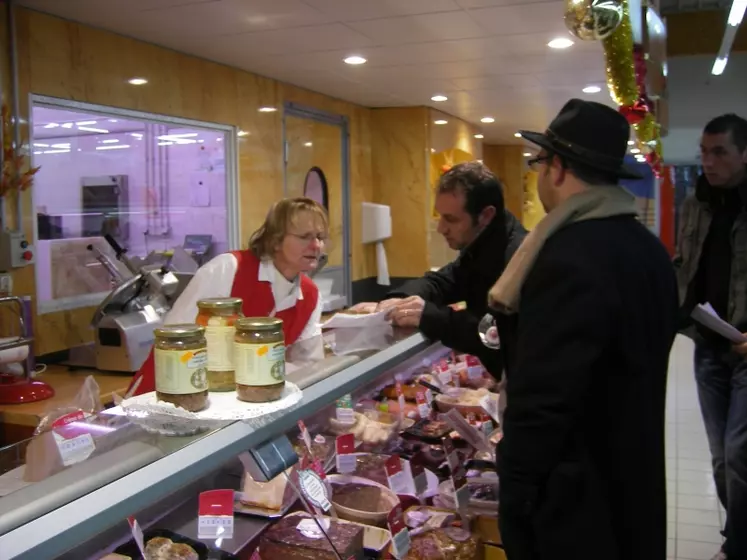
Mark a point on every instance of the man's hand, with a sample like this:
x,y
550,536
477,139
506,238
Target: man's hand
x,y
388,304
408,313
740,349
364,307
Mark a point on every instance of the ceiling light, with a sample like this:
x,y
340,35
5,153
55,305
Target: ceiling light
x,y
85,123
433,150
527,154
592,89
51,125
242,133
487,120
113,120
36,145
438,98
110,141
67,125
635,151
440,121
517,134
631,143
736,14
62,146
355,60
267,109
137,81
56,151
479,136
719,66
641,158
89,129
136,135
308,144
114,147
560,43
177,136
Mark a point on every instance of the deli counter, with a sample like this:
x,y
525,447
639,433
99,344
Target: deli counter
x,y
92,492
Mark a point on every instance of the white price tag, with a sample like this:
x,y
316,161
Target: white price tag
x,y
401,544
76,449
490,404
400,479
314,489
429,396
444,377
345,415
215,527
345,447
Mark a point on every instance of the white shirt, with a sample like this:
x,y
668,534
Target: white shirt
x,y
215,279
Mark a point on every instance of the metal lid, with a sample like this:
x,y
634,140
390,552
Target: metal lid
x,y
220,303
259,324
179,331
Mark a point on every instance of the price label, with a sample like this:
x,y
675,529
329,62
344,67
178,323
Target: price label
x,y
400,400
444,372
489,403
344,410
487,427
417,469
314,489
305,436
424,407
75,449
215,513
461,490
400,533
400,480
137,534
345,446
451,455
429,396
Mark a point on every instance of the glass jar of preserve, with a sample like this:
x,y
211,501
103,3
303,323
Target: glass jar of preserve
x,y
218,316
260,359
180,356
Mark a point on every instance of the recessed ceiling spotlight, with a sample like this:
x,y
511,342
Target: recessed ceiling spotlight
x,y
137,81
517,134
479,136
487,120
242,133
267,109
560,43
527,154
440,121
355,60
635,151
308,144
631,143
438,98
592,89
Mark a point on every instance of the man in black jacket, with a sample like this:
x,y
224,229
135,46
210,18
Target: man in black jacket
x,y
473,220
581,461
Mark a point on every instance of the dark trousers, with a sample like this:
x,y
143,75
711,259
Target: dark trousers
x,y
722,390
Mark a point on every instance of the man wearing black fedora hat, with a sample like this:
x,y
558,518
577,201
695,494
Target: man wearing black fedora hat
x,y
581,462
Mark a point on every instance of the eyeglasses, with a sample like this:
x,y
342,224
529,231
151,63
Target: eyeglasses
x,y
535,162
308,238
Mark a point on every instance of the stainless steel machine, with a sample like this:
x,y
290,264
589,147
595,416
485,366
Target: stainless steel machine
x,y
125,320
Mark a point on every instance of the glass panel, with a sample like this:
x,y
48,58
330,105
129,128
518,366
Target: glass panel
x,y
316,144
147,184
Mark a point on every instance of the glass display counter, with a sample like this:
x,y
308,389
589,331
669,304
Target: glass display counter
x,y
81,511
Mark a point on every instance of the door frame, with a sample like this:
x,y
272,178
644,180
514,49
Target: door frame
x,y
296,110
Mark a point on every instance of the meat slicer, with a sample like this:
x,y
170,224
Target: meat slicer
x,y
125,320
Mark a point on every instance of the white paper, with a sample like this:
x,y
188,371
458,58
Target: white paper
x,y
382,268
706,316
348,321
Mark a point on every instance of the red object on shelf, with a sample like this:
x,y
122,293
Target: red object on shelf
x,y
27,255
19,390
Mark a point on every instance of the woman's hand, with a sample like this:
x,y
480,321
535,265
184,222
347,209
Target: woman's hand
x,y
740,349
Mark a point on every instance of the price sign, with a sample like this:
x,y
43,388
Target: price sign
x,y
137,534
461,490
487,427
400,533
215,515
475,368
417,469
490,404
72,437
344,410
345,446
305,436
400,480
444,372
451,455
424,407
400,400
314,489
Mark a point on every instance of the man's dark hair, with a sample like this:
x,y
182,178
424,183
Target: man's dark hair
x,y
481,187
733,124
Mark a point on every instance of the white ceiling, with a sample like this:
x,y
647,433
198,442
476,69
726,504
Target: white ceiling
x,y
490,57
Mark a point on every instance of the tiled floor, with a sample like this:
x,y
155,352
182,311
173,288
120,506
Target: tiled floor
x,y
695,515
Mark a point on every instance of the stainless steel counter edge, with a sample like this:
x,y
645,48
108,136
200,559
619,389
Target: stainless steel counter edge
x,y
62,529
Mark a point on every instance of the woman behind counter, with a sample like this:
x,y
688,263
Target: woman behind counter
x,y
269,277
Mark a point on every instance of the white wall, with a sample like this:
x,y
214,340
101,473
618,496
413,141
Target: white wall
x,y
696,96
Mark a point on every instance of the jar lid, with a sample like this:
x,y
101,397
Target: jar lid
x,y
259,324
179,331
220,303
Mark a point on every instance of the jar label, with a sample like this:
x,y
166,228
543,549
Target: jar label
x,y
259,364
220,348
181,372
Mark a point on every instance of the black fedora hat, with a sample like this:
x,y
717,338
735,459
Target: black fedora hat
x,y
589,133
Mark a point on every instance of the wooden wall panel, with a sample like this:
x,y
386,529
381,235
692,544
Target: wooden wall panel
x,y
508,163
63,59
693,33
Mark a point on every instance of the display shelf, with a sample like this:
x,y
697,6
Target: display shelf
x,y
50,528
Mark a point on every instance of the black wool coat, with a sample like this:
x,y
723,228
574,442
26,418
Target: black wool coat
x,y
582,461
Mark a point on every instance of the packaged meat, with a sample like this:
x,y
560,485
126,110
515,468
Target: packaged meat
x,y
289,540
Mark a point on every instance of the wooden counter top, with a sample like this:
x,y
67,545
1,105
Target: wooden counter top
x,y
66,382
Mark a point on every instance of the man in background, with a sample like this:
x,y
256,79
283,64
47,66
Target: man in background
x,y
581,462
711,265
473,221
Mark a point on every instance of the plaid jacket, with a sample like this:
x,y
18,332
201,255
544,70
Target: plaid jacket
x,y
695,222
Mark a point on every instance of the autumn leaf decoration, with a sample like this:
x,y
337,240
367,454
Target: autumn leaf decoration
x,y
13,177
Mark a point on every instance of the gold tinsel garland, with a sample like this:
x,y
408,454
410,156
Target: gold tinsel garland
x,y
618,52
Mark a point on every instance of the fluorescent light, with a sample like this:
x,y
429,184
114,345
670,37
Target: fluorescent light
x,y
631,143
177,136
479,136
440,121
89,129
138,81
64,145
37,153
136,135
113,120
110,141
355,60
242,133
67,125
527,154
165,143
517,134
116,147
592,89
439,98
719,65
308,144
267,109
51,125
560,43
487,120
635,151
36,145
736,14
85,123
56,151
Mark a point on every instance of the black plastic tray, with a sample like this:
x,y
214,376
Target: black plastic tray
x,y
204,552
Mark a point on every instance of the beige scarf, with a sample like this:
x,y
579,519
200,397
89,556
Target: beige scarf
x,y
596,202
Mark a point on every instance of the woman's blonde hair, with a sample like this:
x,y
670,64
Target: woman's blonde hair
x,y
270,235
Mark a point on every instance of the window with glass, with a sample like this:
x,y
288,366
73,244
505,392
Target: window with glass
x,y
155,185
